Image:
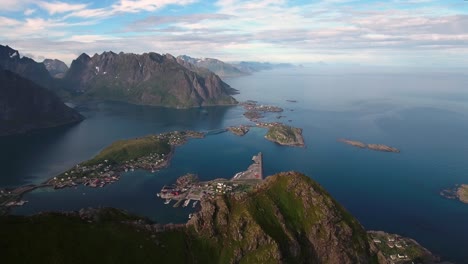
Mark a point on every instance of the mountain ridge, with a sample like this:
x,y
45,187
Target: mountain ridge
x,y
26,106
148,78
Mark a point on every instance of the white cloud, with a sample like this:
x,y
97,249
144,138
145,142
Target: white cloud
x,y
127,6
14,5
60,7
29,11
88,38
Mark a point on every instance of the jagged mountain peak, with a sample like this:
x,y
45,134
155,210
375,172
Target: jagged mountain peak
x,y
148,78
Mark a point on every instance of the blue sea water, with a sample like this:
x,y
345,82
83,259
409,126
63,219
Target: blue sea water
x,y
425,115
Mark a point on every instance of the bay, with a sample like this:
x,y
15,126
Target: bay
x,y
425,115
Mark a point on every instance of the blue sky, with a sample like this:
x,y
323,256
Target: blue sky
x,y
393,32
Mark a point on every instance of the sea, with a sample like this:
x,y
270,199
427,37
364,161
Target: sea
x,y
424,113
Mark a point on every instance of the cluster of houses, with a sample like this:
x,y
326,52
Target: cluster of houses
x,y
177,138
252,106
394,243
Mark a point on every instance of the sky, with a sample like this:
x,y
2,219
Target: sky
x,y
431,33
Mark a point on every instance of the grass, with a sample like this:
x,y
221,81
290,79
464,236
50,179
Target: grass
x,y
58,239
283,134
123,150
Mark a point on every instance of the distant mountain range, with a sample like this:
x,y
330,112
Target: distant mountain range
x,y
26,106
218,67
145,79
232,69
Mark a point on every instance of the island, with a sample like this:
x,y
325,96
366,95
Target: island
x,y
376,147
239,130
254,111
284,135
459,192
149,153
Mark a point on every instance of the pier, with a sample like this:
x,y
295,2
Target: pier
x,y
187,188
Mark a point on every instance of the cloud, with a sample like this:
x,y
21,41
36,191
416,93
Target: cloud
x,y
273,29
134,6
60,7
14,5
127,6
29,11
153,21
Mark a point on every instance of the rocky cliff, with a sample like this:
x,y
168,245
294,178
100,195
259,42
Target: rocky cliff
x,y
26,106
149,79
288,218
56,68
25,67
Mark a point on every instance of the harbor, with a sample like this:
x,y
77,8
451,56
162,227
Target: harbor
x,y
188,188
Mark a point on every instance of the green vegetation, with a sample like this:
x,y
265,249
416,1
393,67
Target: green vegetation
x,y
126,150
288,218
391,246
285,135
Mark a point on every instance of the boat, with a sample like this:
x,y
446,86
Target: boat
x,y
190,216
186,203
167,201
194,204
158,195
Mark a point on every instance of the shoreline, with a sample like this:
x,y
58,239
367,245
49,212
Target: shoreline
x,y
12,197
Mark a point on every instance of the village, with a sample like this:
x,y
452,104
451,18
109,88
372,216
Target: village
x,y
397,249
188,188
108,172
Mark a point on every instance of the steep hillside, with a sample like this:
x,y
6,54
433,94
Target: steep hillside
x,y
25,67
25,106
148,79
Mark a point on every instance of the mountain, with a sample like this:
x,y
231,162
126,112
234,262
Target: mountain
x,y
218,67
25,67
26,106
147,79
288,218
56,68
253,66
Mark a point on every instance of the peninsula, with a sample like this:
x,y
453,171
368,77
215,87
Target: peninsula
x,y
284,135
150,153
376,147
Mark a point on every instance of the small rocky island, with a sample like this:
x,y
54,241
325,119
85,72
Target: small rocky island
x,y
239,130
376,147
255,111
459,192
283,134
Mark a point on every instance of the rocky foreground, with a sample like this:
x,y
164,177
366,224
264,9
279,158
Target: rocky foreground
x,y
288,218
